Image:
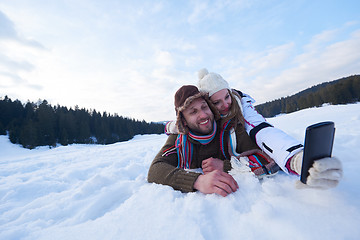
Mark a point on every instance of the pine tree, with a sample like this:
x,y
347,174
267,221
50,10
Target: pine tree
x,y
63,137
2,129
46,124
28,135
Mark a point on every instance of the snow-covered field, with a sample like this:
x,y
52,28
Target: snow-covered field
x,y
101,192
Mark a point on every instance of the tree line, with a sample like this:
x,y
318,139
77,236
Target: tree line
x,y
41,124
341,91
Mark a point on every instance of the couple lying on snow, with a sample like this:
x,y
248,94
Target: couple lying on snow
x,y
218,129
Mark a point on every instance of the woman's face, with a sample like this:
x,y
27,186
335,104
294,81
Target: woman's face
x,y
222,101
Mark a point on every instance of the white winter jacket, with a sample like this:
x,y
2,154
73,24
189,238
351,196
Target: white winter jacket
x,y
276,143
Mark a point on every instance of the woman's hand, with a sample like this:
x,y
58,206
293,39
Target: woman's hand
x,y
212,164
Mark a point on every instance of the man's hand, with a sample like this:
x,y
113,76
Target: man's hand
x,y
212,164
217,182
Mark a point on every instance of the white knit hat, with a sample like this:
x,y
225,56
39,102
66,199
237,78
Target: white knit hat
x,y
211,82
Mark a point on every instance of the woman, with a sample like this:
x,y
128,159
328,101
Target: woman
x,y
237,112
276,143
286,151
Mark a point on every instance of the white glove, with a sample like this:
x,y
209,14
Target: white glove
x,y
242,173
170,128
325,173
240,165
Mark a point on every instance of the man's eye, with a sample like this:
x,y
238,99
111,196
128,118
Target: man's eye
x,y
204,107
193,112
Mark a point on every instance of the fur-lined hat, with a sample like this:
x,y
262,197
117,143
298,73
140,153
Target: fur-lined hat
x,y
183,98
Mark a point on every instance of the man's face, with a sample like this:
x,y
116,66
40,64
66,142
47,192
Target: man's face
x,y
199,117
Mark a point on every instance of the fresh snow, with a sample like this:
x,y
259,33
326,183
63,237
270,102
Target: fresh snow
x,y
101,192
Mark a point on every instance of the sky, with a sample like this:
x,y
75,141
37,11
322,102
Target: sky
x,y
130,57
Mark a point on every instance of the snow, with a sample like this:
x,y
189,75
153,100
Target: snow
x,y
101,192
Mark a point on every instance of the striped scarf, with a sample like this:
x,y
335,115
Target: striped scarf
x,y
184,147
231,143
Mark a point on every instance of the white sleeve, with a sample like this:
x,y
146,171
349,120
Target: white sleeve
x,y
170,128
276,143
252,117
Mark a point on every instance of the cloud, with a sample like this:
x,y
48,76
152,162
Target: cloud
x,y
7,29
154,93
11,69
200,12
8,32
245,71
287,69
214,10
16,57
10,82
193,60
315,66
321,38
13,65
164,58
271,58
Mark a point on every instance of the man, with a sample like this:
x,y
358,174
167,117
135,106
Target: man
x,y
197,146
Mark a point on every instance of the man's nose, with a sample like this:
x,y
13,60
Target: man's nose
x,y
203,114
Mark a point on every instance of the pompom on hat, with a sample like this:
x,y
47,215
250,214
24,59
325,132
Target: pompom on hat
x,y
211,82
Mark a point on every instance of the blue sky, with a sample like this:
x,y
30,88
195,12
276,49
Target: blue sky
x,y
129,57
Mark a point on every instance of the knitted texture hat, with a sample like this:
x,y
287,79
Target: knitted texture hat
x,y
183,98
211,82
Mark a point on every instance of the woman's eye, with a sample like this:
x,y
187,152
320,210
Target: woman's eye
x,y
216,103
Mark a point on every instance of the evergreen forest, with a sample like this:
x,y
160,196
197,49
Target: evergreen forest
x,y
341,91
40,124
